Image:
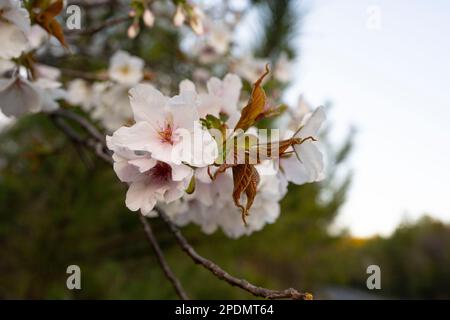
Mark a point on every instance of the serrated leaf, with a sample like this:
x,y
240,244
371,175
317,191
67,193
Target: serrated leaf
x,y
245,179
255,106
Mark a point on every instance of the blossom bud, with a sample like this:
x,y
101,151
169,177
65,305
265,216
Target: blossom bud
x,y
179,17
196,21
149,18
133,30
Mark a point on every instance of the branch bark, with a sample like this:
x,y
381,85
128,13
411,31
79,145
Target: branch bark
x,y
93,30
162,261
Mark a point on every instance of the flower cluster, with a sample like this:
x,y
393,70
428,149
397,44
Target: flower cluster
x,y
176,156
196,154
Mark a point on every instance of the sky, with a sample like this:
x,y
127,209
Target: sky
x,y
385,66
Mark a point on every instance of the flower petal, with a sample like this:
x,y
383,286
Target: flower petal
x,y
313,124
137,137
148,104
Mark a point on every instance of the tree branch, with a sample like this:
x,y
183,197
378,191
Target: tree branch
x,y
162,261
93,30
89,76
223,275
98,147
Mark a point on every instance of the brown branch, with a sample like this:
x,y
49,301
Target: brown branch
x,y
223,275
162,261
93,30
89,4
89,76
85,124
99,147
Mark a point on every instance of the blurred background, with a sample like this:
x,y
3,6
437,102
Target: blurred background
x,y
380,67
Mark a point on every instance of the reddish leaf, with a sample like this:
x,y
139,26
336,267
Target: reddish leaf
x,y
55,8
46,19
255,106
57,32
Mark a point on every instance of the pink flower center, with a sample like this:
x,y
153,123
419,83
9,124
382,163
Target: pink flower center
x,y
160,173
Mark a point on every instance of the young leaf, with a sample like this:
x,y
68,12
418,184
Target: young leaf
x,y
255,106
191,187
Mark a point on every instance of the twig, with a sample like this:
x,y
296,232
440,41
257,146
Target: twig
x,y
92,4
98,147
89,76
223,275
98,28
162,262
96,142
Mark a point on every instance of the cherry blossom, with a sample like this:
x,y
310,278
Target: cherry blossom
x,y
126,69
249,67
112,105
283,68
19,96
149,180
49,91
221,98
218,36
14,26
166,127
5,122
6,66
80,92
309,166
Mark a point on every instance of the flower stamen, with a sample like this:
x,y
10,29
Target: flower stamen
x,y
166,134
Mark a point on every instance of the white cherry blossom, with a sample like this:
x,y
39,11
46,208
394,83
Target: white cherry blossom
x,y
166,127
37,36
49,91
221,213
149,180
112,105
19,96
126,69
5,122
14,26
249,67
309,167
79,92
218,36
283,68
221,98
6,66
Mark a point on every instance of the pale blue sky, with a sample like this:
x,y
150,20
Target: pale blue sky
x,y
392,83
